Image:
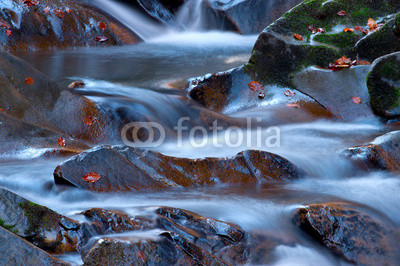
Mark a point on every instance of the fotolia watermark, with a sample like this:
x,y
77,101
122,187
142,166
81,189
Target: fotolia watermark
x,y
152,134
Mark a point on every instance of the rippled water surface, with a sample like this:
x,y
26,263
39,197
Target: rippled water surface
x,y
147,73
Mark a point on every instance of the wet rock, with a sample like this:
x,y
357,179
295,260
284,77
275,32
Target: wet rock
x,y
14,250
381,154
37,224
379,43
384,86
349,232
77,85
174,236
34,27
46,105
128,169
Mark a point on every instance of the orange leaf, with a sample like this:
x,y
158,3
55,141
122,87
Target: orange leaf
x,y
342,13
90,120
356,100
92,177
348,30
61,141
293,105
46,10
101,39
298,37
343,61
68,10
29,81
30,2
59,13
363,63
372,24
102,26
358,28
8,32
322,30
289,93
255,86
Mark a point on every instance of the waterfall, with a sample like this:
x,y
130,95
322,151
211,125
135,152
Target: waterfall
x,y
143,26
190,16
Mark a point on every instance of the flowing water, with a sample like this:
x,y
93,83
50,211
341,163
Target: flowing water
x,y
144,74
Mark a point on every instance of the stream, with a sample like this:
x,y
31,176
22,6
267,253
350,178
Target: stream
x,y
147,74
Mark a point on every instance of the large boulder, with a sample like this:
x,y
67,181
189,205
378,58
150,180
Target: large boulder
x,y
384,86
37,224
65,24
383,153
129,169
14,250
350,232
159,235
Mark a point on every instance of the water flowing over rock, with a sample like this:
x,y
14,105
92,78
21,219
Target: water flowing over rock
x,y
128,169
384,85
349,233
39,225
65,24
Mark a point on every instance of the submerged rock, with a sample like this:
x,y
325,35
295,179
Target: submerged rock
x,y
128,169
14,250
349,232
174,236
37,224
381,154
61,24
384,86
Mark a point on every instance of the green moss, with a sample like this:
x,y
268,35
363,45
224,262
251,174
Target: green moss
x,y
362,15
389,70
8,227
39,217
320,56
342,40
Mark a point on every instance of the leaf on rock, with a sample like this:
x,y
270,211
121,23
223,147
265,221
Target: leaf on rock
x,y
68,10
30,2
322,30
92,177
348,30
361,63
141,256
102,25
372,24
29,81
46,10
293,105
90,120
8,32
342,13
261,95
356,100
101,39
289,93
298,37
59,13
61,141
255,86
358,28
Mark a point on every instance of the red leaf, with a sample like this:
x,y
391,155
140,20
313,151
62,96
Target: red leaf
x,y
30,2
101,39
261,95
372,24
358,28
343,61
92,177
255,86
29,81
68,10
90,120
322,30
4,24
289,93
61,141
8,32
2,110
46,10
59,13
293,105
312,29
102,26
361,63
342,13
356,100
298,37
348,30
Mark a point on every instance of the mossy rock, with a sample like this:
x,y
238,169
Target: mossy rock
x,y
396,29
383,83
277,54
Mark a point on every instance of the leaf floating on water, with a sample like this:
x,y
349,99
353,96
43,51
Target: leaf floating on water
x,y
102,25
356,100
4,24
29,81
298,37
59,13
92,177
61,141
289,93
8,32
255,86
293,105
348,30
342,13
101,39
90,120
